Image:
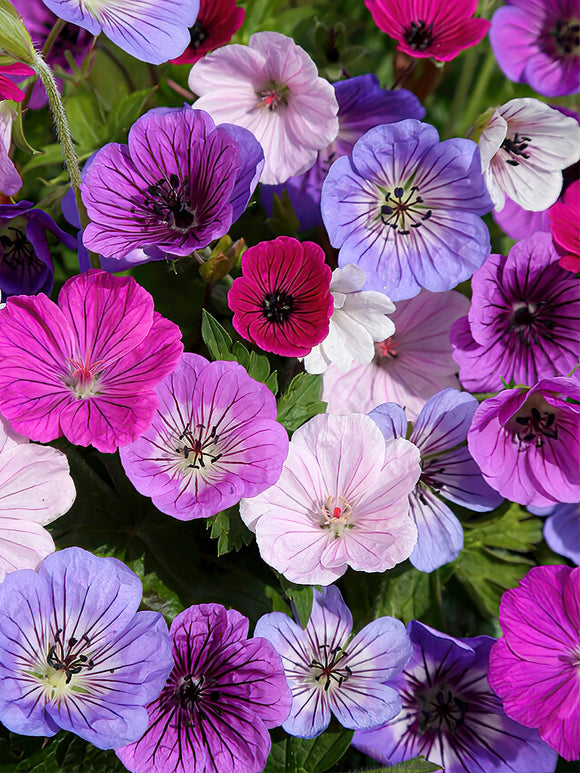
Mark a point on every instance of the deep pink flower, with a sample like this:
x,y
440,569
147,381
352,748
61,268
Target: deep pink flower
x,y
437,28
87,368
282,303
216,24
566,227
8,89
534,666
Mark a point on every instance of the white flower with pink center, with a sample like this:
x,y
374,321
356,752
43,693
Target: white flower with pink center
x,y
272,88
341,501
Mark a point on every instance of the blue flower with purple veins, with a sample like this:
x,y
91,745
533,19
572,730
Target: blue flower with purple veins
x,y
329,671
75,653
451,715
448,470
407,209
25,263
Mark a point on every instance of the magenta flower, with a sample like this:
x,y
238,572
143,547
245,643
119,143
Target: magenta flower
x,y
409,367
341,501
86,368
282,301
215,709
566,229
8,89
534,666
213,440
525,442
216,24
536,42
524,319
437,28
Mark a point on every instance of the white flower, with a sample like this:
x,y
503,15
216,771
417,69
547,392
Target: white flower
x,y
524,147
272,88
358,320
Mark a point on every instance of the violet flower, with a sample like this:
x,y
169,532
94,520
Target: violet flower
x,y
536,42
75,653
179,184
332,672
86,368
215,709
213,440
519,223
524,320
534,666
447,470
450,714
525,442
407,209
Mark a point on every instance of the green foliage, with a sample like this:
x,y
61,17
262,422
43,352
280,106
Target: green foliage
x,y
417,765
156,595
317,755
64,753
229,530
301,401
404,593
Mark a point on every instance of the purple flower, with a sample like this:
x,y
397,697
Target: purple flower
x,y
534,666
150,30
25,263
562,529
450,714
331,672
536,42
407,208
448,470
525,442
179,184
519,223
362,104
524,319
213,440
75,653
215,708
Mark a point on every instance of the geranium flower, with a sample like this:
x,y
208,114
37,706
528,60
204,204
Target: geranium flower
x,y
358,320
409,367
447,470
437,28
525,442
331,672
215,709
179,184
450,714
518,223
75,654
534,666
10,180
86,368
216,24
8,89
524,146
536,42
407,209
35,489
566,229
523,322
282,301
150,30
213,440
341,501
272,88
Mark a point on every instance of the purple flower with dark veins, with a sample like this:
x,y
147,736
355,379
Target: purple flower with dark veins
x,y
178,185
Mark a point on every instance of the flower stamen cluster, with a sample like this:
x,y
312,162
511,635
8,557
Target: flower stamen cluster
x,y
403,210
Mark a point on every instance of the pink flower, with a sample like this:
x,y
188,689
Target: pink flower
x,y
216,24
35,489
566,228
437,28
10,181
342,500
409,367
87,368
534,666
8,89
282,301
272,88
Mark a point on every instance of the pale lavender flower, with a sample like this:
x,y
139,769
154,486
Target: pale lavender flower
x,y
76,654
409,367
10,180
447,470
213,440
215,709
341,501
331,672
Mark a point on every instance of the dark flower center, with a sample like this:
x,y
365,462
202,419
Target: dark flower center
x,y
273,96
534,426
69,656
197,695
385,350
516,147
440,709
17,252
403,211
532,321
277,306
566,36
168,199
199,447
419,35
197,35
329,666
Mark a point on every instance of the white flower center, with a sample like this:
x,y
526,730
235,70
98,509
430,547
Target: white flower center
x,y
401,209
272,96
337,514
197,448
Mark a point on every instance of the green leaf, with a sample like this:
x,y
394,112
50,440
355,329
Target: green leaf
x,y
124,112
229,530
512,529
300,597
316,755
156,596
301,401
404,593
416,765
86,120
14,38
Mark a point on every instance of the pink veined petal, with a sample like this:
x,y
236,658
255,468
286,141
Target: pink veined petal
x,y
23,545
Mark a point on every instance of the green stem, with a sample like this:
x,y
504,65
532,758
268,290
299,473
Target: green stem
x,y
474,106
469,63
436,601
54,33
